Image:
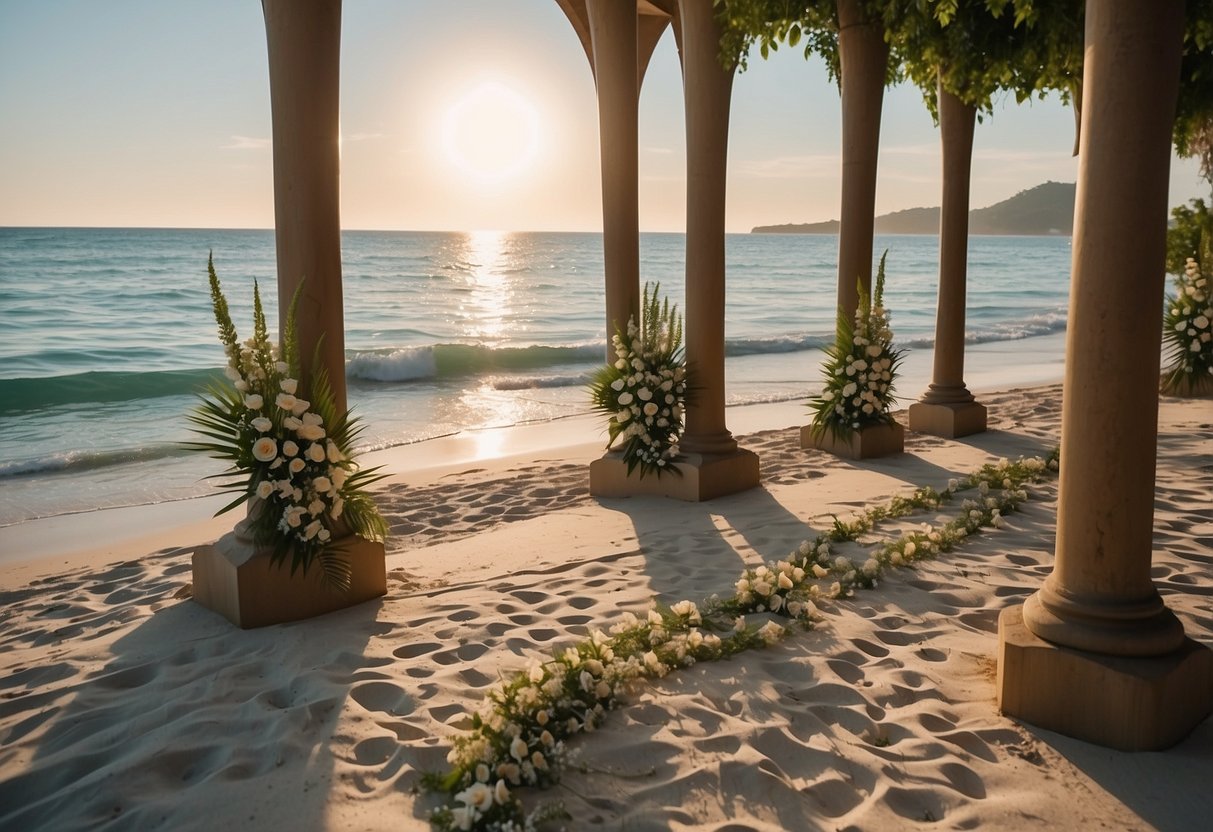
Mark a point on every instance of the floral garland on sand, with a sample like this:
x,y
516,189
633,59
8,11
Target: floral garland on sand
x,y
291,458
518,737
1188,332
859,369
643,393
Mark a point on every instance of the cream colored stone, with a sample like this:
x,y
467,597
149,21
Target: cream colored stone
x,y
867,443
703,477
1127,703
947,420
237,580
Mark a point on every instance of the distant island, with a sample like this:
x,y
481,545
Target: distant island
x,y
1046,210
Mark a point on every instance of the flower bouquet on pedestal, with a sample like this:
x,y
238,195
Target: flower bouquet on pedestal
x,y
857,395
643,393
1188,332
290,457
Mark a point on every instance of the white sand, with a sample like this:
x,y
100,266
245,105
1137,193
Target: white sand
x,y
125,705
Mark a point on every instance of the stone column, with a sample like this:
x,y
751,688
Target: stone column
x,y
304,40
948,408
1095,653
864,57
707,87
613,34
231,576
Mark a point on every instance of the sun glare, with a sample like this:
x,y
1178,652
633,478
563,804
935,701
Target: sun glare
x,y
491,132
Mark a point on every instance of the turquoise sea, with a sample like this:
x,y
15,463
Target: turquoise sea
x,y
105,335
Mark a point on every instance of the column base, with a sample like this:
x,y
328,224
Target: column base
x,y
704,477
235,579
948,420
1130,704
866,443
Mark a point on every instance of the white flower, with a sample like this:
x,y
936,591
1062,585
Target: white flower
x,y
315,507
333,453
312,529
232,373
289,448
650,409
771,632
461,816
315,452
300,407
285,401
291,423
253,401
617,385
265,449
296,465
289,385
477,796
338,476
264,489
322,484
281,367
518,749
310,432
501,793
625,398
261,424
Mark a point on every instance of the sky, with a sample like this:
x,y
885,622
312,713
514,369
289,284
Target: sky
x,y
455,115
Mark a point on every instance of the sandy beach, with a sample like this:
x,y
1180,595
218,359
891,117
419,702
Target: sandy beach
x,y
125,705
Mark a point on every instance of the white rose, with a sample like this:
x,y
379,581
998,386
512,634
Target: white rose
x,y
518,749
289,448
265,449
315,452
300,407
232,373
311,433
337,475
261,424
289,385
264,489
650,409
285,401
333,452
501,793
322,485
312,529
617,385
296,465
1201,322
625,398
477,796
253,401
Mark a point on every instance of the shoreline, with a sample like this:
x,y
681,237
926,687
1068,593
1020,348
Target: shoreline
x,y
84,536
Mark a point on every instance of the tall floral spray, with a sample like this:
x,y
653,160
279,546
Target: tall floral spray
x,y
1188,328
643,392
860,368
290,458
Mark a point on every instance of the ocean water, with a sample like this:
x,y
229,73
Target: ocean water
x,y
106,335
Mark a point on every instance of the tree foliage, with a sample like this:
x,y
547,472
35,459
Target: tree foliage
x,y
1194,111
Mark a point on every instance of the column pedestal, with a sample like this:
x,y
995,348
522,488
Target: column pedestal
x,y
947,420
237,580
866,443
704,477
1126,703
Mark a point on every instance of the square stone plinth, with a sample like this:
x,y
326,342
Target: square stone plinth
x,y
704,477
238,581
1130,704
866,443
948,420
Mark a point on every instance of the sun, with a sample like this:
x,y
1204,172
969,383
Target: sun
x,y
491,133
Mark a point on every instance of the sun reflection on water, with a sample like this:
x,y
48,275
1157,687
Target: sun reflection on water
x,y
490,295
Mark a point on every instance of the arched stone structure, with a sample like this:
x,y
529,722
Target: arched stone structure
x,y
712,464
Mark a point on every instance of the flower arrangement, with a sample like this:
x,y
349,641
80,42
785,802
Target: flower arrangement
x,y
859,369
518,737
290,457
643,393
1188,332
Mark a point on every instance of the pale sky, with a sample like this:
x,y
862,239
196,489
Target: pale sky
x,y
155,113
